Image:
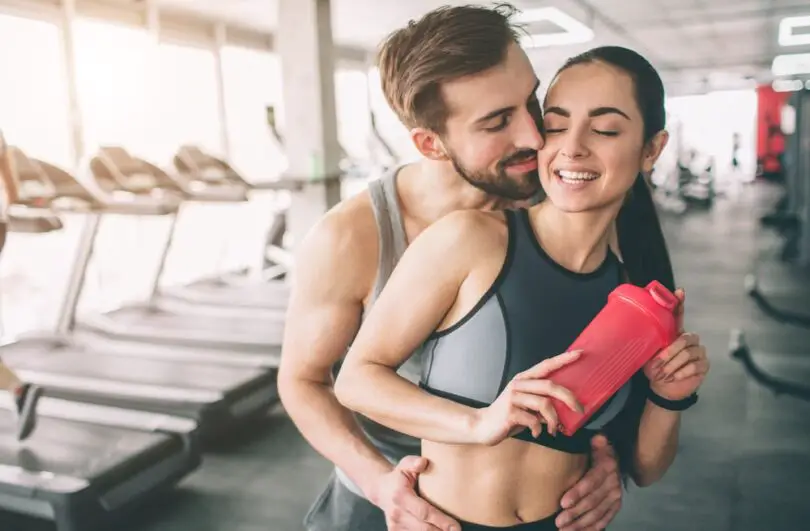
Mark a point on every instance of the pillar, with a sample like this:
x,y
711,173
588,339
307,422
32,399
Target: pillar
x,y
74,107
307,54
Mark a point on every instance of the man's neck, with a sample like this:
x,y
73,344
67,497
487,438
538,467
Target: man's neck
x,y
577,241
428,191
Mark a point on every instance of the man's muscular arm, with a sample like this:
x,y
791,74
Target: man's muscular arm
x,y
336,267
329,285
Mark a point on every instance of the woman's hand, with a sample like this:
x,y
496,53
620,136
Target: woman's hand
x,y
678,370
525,403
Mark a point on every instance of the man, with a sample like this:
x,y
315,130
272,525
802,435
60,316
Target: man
x,y
345,261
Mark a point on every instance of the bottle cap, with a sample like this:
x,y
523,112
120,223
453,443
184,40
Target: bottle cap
x,y
661,295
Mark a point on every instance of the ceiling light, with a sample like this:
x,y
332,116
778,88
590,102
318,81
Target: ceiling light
x,y
791,64
786,27
574,31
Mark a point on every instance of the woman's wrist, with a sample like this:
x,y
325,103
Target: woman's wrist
x,y
669,404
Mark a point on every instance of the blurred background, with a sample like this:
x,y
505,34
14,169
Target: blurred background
x,y
105,100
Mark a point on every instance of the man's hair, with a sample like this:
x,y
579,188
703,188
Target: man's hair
x,y
446,44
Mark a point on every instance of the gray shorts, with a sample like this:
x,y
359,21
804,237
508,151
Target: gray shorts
x,y
340,509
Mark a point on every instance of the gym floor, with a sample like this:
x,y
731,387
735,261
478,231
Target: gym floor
x,y
744,457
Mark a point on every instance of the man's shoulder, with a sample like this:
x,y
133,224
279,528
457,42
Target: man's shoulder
x,y
350,225
342,243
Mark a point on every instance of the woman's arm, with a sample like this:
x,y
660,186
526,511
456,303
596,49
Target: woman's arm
x,y
420,292
657,444
675,374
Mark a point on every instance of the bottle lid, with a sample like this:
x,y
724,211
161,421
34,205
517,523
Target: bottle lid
x,y
661,295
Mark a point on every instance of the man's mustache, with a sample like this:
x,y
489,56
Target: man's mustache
x,y
519,157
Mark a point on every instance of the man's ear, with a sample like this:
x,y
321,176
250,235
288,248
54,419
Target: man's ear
x,y
428,144
653,150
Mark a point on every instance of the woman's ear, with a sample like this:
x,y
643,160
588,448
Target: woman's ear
x,y
653,150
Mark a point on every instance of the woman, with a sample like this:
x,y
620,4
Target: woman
x,y
497,296
25,395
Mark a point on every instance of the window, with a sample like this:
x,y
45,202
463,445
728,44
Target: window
x,y
252,83
114,70
187,104
352,108
388,125
33,89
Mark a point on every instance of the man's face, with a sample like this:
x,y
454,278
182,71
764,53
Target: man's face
x,y
493,134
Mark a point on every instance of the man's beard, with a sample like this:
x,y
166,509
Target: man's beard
x,y
515,187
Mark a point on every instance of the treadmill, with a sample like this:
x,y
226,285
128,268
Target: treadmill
x,y
85,465
91,369
115,170
265,291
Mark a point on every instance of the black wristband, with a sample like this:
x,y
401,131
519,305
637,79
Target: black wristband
x,y
672,405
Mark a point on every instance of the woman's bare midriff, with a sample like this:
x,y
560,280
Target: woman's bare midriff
x,y
510,483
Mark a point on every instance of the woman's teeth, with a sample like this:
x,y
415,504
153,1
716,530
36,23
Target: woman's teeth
x,y
577,175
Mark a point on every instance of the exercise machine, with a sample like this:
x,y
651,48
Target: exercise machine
x,y
86,465
93,369
152,322
785,316
739,350
793,216
261,290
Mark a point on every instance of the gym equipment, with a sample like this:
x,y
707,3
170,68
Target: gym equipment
x,y
93,369
248,293
791,214
783,316
738,347
156,323
86,464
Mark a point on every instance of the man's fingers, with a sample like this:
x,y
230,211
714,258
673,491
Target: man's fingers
x,y
441,521
593,481
400,520
413,463
595,518
413,512
546,367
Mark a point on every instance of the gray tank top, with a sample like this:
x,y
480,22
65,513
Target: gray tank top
x,y
392,243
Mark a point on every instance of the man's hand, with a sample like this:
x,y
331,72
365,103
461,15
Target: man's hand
x,y
395,493
595,500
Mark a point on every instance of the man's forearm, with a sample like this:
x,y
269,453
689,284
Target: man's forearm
x,y
333,431
657,443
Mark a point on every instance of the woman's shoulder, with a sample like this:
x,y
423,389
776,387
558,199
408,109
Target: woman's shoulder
x,y
475,231
471,224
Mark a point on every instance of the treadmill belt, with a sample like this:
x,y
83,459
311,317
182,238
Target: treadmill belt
x,y
201,328
84,451
259,295
95,364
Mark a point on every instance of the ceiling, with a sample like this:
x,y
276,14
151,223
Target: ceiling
x,y
698,45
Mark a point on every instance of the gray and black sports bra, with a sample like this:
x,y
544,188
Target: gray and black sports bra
x,y
534,310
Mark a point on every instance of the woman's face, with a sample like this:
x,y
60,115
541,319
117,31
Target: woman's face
x,y
594,138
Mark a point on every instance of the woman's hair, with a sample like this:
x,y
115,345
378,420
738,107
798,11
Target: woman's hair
x,y
641,241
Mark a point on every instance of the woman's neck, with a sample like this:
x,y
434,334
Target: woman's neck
x,y
577,241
